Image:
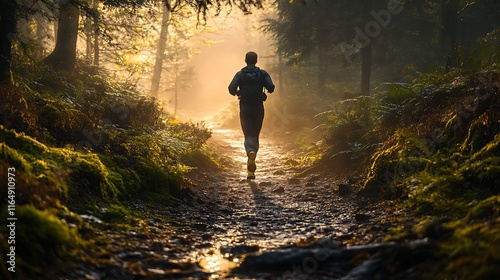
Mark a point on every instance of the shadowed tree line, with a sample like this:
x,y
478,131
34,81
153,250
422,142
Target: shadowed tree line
x,y
393,37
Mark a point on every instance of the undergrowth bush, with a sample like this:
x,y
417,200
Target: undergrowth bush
x,y
111,138
444,164
72,176
82,143
436,146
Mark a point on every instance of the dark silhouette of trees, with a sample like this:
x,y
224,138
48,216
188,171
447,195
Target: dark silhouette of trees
x,y
160,50
303,31
397,36
8,19
355,34
63,57
316,28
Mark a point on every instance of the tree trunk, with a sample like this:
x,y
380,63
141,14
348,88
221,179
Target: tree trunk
x,y
281,66
64,55
322,66
449,30
176,88
96,45
96,33
88,39
366,53
92,34
160,50
7,30
366,68
41,35
322,44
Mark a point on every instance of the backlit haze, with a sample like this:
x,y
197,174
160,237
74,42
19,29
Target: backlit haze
x,y
216,64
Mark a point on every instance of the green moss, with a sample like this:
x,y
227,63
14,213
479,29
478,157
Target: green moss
x,y
383,169
90,177
490,149
398,94
156,183
77,175
14,158
116,179
199,158
21,142
137,155
404,155
41,238
475,245
114,214
132,181
50,113
478,134
487,208
122,174
444,181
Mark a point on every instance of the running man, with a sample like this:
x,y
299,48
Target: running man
x,y
248,84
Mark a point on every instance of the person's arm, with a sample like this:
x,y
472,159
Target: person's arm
x,y
233,86
268,82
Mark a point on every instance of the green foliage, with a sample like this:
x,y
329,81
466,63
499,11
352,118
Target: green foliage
x,y
444,167
361,124
78,141
67,107
14,109
485,53
90,177
73,175
82,110
473,248
348,121
42,239
442,158
156,182
194,133
370,120
486,209
114,214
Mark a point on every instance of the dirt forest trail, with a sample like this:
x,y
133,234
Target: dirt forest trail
x,y
277,210
277,226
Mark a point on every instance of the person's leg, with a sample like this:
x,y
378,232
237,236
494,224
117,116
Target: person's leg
x,y
258,119
247,125
251,118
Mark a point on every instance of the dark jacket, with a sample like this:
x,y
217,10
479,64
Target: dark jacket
x,y
248,84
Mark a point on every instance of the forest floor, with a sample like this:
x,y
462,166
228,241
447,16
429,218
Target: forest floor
x,y
279,226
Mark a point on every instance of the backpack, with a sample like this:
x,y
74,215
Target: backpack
x,y
251,85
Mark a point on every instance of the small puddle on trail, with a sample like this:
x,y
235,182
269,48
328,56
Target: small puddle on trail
x,y
216,264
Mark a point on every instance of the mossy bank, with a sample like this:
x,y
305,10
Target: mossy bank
x,y
78,144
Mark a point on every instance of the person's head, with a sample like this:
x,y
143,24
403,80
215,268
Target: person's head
x,y
251,58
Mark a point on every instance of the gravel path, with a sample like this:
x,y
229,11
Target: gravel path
x,y
277,209
233,228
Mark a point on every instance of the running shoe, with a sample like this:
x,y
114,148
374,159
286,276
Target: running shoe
x,y
251,162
